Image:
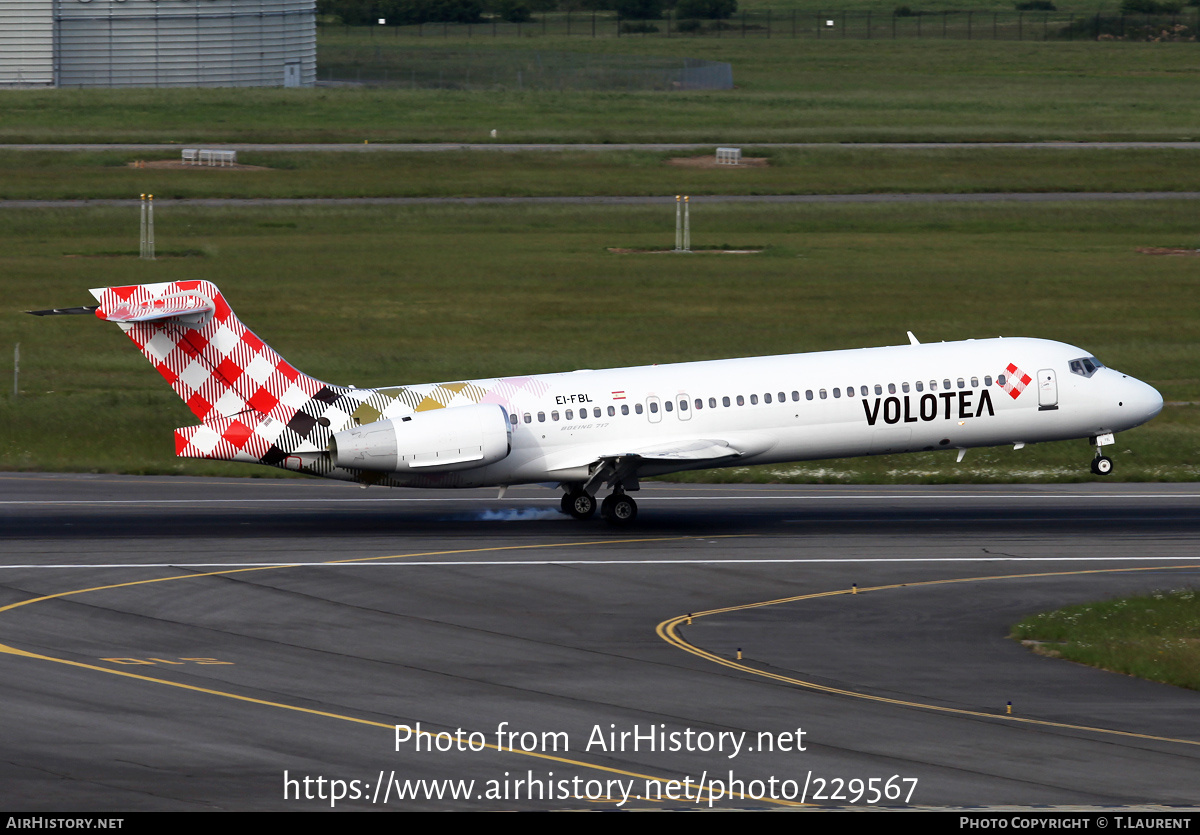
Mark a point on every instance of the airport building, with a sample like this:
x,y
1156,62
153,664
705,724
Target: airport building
x,y
158,43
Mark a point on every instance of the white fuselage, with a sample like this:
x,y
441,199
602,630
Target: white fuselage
x,y
798,407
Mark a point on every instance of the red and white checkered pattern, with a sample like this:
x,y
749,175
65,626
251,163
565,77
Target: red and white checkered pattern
x,y
226,439
241,390
1015,381
218,367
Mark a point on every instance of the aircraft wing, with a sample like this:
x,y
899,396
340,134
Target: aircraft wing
x,y
685,454
698,450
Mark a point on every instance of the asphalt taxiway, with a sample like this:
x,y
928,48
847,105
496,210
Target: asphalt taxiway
x,y
184,643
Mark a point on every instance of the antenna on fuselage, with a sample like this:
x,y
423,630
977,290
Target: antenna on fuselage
x,y
912,340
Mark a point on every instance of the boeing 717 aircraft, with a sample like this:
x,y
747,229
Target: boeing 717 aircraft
x,y
588,430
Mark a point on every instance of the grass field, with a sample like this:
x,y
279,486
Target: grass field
x,y
829,91
831,170
1154,636
374,296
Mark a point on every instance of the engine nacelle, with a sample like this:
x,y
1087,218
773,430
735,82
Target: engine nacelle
x,y
439,440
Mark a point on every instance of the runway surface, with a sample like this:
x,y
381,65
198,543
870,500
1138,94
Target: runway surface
x,y
184,643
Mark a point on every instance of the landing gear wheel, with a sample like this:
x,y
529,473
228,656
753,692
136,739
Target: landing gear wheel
x,y
622,510
579,505
1102,465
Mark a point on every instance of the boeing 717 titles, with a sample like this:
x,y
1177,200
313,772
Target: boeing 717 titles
x,y
590,430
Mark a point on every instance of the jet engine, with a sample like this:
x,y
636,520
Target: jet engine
x,y
439,440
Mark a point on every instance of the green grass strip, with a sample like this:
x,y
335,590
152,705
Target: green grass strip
x,y
56,175
1156,636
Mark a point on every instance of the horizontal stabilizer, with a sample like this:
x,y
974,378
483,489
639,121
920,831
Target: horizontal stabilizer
x,y
187,306
64,311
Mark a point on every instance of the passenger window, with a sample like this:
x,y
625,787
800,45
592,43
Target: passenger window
x,y
891,388
513,419
683,405
754,400
554,416
528,418
808,395
653,408
987,381
624,409
837,393
782,397
541,417
864,391
669,406
637,407
796,395
878,389
946,384
974,382
1001,380
824,394
741,401
612,411
920,386
933,385
570,414
699,403
712,403
725,401
904,387
961,383
767,397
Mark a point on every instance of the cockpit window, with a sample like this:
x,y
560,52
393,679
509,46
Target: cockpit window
x,y
1085,366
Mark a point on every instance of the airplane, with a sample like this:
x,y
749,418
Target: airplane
x,y
590,429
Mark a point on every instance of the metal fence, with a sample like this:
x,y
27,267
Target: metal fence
x,y
832,25
491,69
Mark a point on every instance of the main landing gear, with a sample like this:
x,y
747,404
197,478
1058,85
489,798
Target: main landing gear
x,y
618,509
579,504
1101,464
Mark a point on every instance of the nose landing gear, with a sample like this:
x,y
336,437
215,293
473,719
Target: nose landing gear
x,y
1102,464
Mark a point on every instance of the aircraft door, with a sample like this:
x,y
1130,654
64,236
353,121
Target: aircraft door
x,y
683,407
1047,389
653,409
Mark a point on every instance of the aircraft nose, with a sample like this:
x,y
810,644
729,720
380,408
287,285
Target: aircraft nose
x,y
1142,401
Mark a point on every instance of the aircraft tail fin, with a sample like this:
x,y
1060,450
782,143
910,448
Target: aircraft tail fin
x,y
214,362
249,400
